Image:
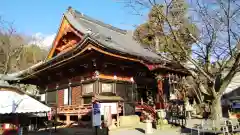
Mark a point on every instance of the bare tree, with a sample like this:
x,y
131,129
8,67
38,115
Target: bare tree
x,y
17,54
17,51
11,45
214,53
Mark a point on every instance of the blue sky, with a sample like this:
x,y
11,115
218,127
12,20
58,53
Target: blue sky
x,y
43,16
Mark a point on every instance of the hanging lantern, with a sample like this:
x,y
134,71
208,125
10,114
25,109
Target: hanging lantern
x,y
96,74
69,82
57,86
131,79
82,79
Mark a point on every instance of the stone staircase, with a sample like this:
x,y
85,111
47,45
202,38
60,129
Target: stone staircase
x,y
140,107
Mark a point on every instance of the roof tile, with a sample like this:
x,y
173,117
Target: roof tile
x,y
110,36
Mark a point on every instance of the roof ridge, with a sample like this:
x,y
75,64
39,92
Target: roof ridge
x,y
88,18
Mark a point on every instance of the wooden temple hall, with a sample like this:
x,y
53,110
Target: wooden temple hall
x,y
90,60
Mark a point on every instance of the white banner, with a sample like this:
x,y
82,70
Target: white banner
x,y
112,105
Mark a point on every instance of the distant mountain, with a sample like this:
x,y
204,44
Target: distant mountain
x,y
42,40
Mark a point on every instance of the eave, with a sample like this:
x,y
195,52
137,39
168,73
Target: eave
x,y
170,68
86,44
83,46
69,23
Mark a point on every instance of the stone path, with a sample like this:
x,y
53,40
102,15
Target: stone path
x,y
171,131
141,132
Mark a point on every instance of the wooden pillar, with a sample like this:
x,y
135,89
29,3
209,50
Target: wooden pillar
x,y
58,118
56,109
81,100
46,99
69,94
68,121
79,117
160,103
117,120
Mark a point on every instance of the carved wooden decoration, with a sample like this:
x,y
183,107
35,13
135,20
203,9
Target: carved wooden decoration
x,y
67,45
64,26
63,42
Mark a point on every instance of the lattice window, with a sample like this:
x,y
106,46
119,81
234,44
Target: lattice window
x,y
107,87
88,88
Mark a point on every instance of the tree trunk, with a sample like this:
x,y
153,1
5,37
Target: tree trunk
x,y
216,108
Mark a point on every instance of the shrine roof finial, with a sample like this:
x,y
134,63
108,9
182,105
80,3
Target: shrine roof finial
x,y
69,8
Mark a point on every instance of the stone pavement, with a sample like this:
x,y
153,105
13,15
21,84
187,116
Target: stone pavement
x,y
137,130
65,131
172,131
141,132
133,131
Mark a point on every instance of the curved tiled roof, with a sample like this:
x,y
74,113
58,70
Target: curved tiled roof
x,y
110,37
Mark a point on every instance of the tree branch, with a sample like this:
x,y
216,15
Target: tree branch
x,y
228,78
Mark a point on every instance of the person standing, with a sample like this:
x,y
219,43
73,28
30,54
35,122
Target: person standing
x,y
206,112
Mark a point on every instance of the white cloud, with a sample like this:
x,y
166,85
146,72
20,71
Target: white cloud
x,y
43,40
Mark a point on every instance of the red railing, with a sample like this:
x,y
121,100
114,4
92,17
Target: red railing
x,y
144,106
78,109
84,109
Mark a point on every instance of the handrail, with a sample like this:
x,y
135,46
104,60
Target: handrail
x,y
75,105
147,107
80,109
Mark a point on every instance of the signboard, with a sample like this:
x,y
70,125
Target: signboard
x,y
236,105
113,106
96,114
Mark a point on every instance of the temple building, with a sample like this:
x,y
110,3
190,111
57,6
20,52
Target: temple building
x,y
89,59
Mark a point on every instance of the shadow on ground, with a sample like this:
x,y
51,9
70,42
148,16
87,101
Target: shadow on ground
x,y
140,130
194,132
186,130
